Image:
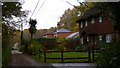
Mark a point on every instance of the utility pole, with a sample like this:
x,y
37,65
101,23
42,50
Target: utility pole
x,y
21,38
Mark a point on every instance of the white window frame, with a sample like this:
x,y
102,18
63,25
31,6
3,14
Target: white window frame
x,y
81,24
108,38
87,39
100,37
100,19
81,40
92,21
86,23
63,24
79,13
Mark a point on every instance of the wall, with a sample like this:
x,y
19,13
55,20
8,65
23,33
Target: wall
x,y
104,27
48,36
63,34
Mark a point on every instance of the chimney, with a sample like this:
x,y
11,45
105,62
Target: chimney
x,y
58,26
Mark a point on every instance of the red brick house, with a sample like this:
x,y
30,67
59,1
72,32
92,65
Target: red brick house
x,y
50,34
57,33
95,25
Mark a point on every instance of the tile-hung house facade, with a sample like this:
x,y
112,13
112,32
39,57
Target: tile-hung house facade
x,y
95,27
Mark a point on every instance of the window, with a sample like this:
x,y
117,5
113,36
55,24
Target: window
x,y
108,38
62,24
81,24
81,40
100,38
55,35
79,13
87,38
100,19
86,23
92,21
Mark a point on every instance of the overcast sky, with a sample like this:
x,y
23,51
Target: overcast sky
x,y
50,13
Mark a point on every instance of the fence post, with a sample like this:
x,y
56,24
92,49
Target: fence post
x,y
93,53
39,53
44,56
34,52
62,56
89,54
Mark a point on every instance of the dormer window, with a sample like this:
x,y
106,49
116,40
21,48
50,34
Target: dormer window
x,y
81,24
86,24
100,19
92,21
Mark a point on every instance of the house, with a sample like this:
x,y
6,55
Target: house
x,y
95,27
50,34
62,33
58,32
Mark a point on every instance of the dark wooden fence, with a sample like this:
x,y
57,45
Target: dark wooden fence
x,y
63,58
91,55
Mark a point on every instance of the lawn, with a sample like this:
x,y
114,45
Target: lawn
x,y
66,55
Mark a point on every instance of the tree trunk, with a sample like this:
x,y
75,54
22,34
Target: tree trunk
x,y
21,37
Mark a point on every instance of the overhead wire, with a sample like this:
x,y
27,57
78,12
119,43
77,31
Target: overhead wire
x,y
35,8
40,8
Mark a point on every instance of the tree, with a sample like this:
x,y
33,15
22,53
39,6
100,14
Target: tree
x,y
12,15
68,19
112,9
32,28
10,10
110,55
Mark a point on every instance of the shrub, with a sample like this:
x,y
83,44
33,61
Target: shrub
x,y
79,47
6,45
60,43
6,53
25,45
60,47
21,48
110,56
44,42
72,43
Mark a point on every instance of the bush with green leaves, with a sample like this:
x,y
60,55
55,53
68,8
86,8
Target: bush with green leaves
x,y
79,47
25,45
47,43
72,43
6,45
110,55
60,43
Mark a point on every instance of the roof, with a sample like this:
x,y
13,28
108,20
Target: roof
x,y
72,35
51,32
63,31
91,12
